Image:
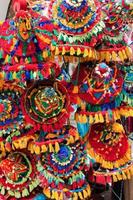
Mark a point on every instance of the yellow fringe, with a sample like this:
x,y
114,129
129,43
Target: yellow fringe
x,y
114,56
80,195
122,174
121,56
57,147
86,53
61,196
47,192
43,148
51,149
78,51
128,52
75,196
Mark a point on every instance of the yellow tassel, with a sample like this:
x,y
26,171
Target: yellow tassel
x,y
51,149
117,127
88,190
61,196
56,196
91,119
63,51
90,55
128,52
2,147
85,194
71,140
14,75
76,137
57,147
85,119
107,118
102,56
108,57
72,51
52,47
30,147
6,59
75,196
128,174
115,178
53,194
83,105
16,144
45,54
75,89
96,118
121,55
16,59
57,51
47,192
37,150
101,119
80,195
124,54
86,53
124,176
43,148
114,56
119,176
23,143
117,114
78,51
131,170
76,117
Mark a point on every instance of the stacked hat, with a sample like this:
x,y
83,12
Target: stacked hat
x,y
79,27
26,40
113,46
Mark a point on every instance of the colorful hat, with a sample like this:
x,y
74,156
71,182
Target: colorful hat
x,y
102,85
108,144
79,27
46,105
99,94
18,175
62,173
113,46
26,39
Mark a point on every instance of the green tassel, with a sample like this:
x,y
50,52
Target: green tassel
x,y
1,54
25,192
70,181
9,59
17,195
11,76
31,187
34,184
34,75
49,53
31,75
29,59
3,191
40,75
11,193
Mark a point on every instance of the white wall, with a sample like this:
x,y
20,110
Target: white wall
x,y
3,8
